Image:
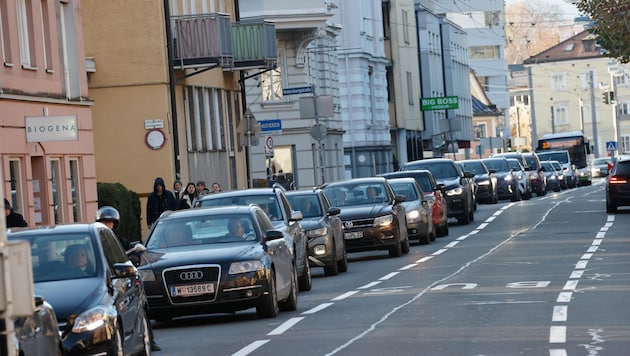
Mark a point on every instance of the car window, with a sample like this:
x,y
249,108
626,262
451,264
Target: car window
x,y
499,165
113,250
441,170
474,167
623,168
406,190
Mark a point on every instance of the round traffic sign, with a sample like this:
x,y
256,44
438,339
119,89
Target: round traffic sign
x,y
269,143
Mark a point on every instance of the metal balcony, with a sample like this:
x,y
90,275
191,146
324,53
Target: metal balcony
x,y
202,40
254,45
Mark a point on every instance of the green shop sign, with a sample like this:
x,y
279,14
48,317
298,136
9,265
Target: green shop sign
x,y
443,103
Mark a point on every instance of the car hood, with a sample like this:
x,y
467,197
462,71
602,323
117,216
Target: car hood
x,y
364,211
71,296
481,177
501,175
449,182
200,254
311,223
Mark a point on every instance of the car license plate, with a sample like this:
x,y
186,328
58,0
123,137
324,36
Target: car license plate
x,y
192,290
353,235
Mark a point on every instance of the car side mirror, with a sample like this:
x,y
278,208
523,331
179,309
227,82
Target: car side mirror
x,y
399,199
334,211
296,216
271,235
124,270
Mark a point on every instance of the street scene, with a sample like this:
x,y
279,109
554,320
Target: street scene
x,y
250,177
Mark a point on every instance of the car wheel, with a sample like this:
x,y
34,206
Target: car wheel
x,y
268,306
611,207
332,269
425,239
396,249
306,282
146,336
343,262
432,235
290,304
117,347
404,246
464,218
517,194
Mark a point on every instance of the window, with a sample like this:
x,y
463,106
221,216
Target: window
x,y
491,18
558,82
205,119
560,115
625,144
410,95
25,32
57,190
75,186
4,35
46,23
271,81
484,52
405,20
112,249
481,131
17,190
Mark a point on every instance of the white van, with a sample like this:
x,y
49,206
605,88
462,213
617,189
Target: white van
x,y
570,172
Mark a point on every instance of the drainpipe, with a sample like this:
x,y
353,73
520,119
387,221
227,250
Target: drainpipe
x,y
172,85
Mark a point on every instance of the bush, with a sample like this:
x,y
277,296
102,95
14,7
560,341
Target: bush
x,y
128,205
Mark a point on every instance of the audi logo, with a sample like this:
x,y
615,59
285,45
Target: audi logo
x,y
192,275
348,225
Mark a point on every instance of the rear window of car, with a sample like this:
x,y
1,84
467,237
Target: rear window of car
x,y
623,168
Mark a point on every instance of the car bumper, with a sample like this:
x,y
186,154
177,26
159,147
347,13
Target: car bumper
x,y
320,252
456,205
505,190
99,341
373,238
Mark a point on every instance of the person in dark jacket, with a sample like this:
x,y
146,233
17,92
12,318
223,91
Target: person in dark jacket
x,y
13,218
159,201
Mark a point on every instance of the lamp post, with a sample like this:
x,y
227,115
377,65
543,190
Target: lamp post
x,y
615,71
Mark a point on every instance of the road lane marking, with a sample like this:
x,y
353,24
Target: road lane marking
x,y
558,334
600,235
452,244
597,242
369,285
345,295
439,252
557,352
586,256
409,266
388,276
571,284
317,308
581,264
424,259
559,313
250,348
285,326
576,274
592,248
564,297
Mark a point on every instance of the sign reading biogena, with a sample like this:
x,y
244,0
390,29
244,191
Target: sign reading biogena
x,y
51,128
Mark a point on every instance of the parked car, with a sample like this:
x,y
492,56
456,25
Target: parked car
x,y
599,166
485,179
373,216
38,334
284,218
218,260
618,185
537,177
507,184
524,184
552,175
321,221
459,186
433,192
95,290
419,219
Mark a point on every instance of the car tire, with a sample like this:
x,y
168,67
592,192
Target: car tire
x,y
268,305
343,262
464,218
425,239
432,235
517,195
305,281
290,304
611,207
332,269
146,336
404,246
396,249
117,347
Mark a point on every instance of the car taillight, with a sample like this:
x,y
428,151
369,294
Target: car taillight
x,y
617,180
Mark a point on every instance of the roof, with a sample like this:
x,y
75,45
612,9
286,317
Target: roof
x,y
580,46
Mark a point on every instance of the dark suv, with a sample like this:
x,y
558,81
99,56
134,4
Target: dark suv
x,y
459,186
275,203
618,185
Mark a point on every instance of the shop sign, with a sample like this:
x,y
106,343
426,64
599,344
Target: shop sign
x,y
51,128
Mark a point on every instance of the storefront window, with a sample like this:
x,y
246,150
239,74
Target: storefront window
x,y
17,192
57,190
75,178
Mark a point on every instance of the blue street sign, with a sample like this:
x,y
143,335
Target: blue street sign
x,y
297,90
269,126
611,145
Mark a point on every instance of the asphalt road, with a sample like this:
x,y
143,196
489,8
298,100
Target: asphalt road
x,y
548,276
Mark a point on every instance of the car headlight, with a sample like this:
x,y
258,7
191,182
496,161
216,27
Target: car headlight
x,y
507,178
483,182
455,191
552,177
413,215
322,231
245,266
147,275
91,319
383,220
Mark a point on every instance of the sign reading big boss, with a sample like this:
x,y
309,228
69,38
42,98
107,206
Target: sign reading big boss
x,y
441,103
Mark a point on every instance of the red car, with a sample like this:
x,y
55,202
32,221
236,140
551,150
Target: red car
x,y
433,192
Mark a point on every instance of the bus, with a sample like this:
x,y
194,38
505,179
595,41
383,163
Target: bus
x,y
579,151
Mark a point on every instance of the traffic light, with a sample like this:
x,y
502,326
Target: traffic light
x,y
606,97
611,97
508,144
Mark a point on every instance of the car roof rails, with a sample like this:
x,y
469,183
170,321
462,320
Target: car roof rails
x,y
278,186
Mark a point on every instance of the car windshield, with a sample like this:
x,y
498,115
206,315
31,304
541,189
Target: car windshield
x,y
547,166
562,157
406,190
499,165
202,230
58,257
531,161
514,164
440,170
474,167
556,165
356,194
307,204
267,202
600,161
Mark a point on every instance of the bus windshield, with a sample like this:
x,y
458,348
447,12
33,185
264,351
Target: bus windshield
x,y
558,144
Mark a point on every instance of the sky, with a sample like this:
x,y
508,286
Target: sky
x,y
566,7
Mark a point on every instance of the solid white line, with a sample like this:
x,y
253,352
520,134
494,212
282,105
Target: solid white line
x,y
424,259
388,276
410,266
317,308
345,295
592,249
285,326
452,244
557,352
558,334
564,297
586,256
576,274
570,285
581,264
597,242
369,285
250,348
559,313
439,252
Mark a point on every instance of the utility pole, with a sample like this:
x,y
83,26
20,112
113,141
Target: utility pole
x,y
319,138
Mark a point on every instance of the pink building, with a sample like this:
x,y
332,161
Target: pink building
x,y
46,134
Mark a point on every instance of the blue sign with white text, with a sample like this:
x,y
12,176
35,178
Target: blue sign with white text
x,y
267,126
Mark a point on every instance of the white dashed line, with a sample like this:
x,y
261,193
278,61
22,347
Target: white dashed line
x,y
345,295
571,285
586,256
250,348
559,313
317,308
452,244
424,259
388,276
557,352
576,274
439,252
564,297
581,264
285,326
369,285
410,266
558,334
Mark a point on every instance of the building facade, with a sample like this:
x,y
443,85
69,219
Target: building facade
x,y
46,131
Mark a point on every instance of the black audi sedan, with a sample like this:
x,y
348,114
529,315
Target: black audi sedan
x,y
96,292
618,185
373,216
217,260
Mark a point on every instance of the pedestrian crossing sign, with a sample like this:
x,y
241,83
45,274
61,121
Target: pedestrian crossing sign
x,y
611,146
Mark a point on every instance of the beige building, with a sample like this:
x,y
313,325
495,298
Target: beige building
x,y
46,134
568,84
167,99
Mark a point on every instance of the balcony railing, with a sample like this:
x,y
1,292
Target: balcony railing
x,y
254,45
200,40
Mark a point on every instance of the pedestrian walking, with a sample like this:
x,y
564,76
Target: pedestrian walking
x,y
159,201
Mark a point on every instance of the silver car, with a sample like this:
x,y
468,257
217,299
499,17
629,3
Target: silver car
x,y
418,209
599,167
524,184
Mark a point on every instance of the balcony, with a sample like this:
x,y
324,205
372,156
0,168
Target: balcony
x,y
201,40
254,45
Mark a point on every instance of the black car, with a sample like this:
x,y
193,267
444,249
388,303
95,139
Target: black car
x,y
373,217
38,334
507,182
459,186
553,176
283,216
326,246
618,185
217,260
486,181
95,290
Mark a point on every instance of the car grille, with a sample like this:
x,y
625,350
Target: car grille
x,y
357,224
192,275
